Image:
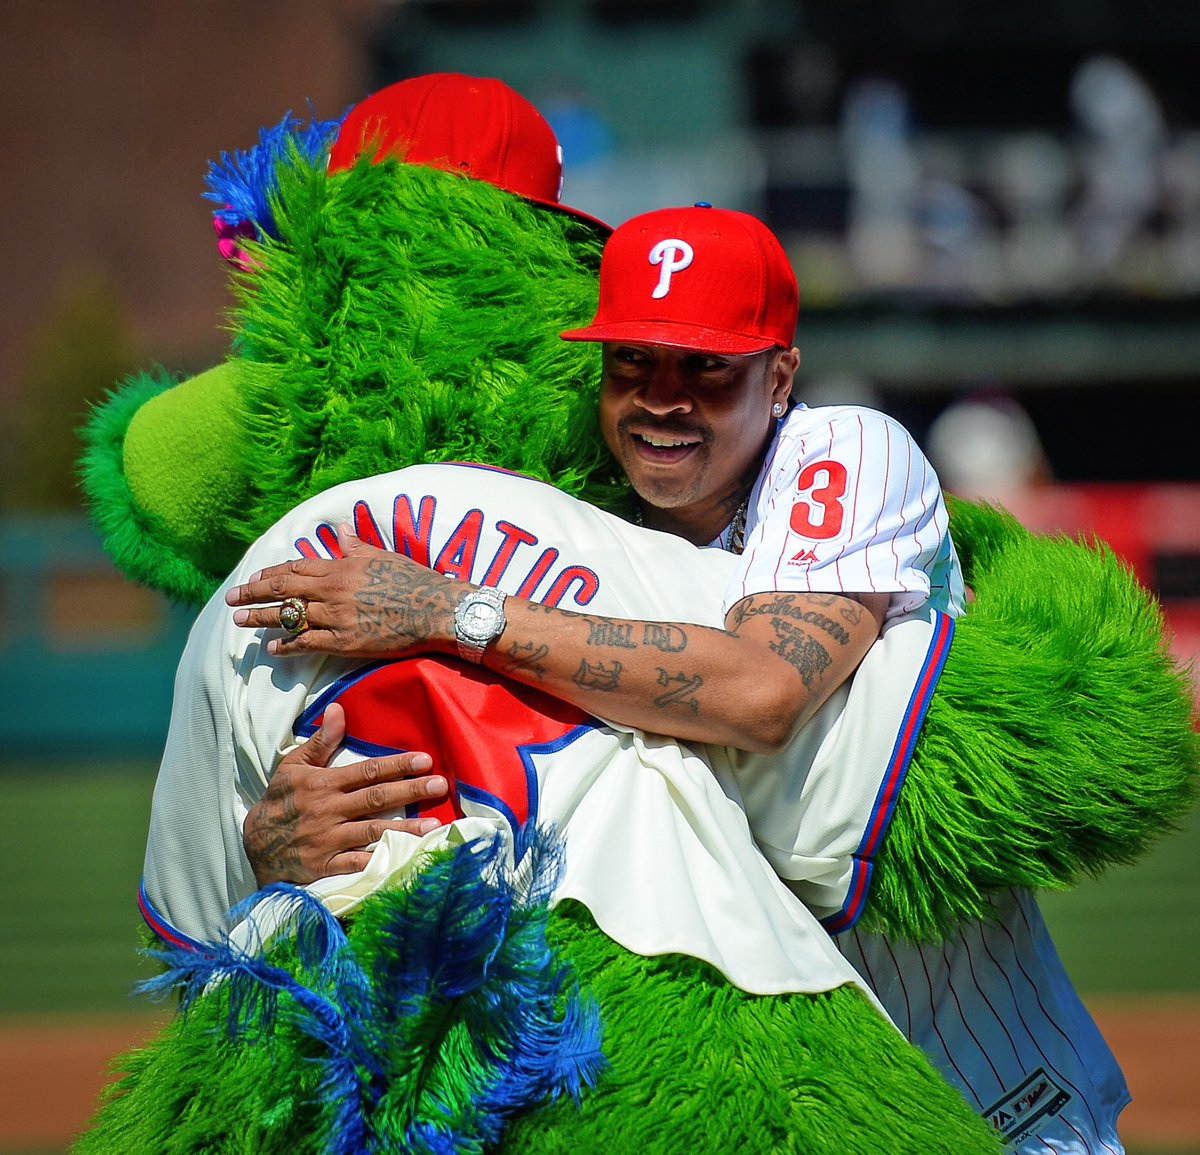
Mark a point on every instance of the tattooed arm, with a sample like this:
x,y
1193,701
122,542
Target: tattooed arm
x,y
749,685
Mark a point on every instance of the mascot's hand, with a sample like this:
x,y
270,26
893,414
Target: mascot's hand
x,y
316,820
368,603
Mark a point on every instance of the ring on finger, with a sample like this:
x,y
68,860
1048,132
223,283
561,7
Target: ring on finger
x,y
293,616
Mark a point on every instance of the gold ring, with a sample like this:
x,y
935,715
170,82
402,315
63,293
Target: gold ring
x,y
293,615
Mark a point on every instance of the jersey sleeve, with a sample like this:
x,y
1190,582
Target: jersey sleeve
x,y
848,503
195,866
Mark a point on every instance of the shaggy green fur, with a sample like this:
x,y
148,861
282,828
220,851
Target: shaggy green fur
x,y
157,471
819,1075
681,1040
1060,740
409,315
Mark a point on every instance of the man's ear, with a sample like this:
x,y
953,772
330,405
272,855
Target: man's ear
x,y
783,373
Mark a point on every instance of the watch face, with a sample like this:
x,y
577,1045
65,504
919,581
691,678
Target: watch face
x,y
479,620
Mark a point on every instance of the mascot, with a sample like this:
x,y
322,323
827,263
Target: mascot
x,y
486,988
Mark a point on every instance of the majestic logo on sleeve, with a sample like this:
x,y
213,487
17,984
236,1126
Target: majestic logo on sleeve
x,y
484,734
1038,1098
673,255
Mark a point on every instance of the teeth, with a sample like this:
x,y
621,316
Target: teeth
x,y
661,442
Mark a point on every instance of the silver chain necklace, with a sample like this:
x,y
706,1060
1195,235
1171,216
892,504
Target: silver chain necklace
x,y
736,541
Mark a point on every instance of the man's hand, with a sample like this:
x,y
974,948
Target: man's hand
x,y
369,603
316,820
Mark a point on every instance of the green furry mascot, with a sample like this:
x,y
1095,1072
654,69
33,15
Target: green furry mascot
x,y
392,314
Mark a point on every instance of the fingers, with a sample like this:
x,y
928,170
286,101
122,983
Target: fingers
x,y
316,820
304,577
368,788
375,794
352,545
324,743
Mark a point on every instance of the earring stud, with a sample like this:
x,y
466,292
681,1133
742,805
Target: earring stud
x,y
777,409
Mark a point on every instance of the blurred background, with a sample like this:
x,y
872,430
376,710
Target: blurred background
x,y
994,215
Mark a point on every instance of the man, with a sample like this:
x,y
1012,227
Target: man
x,y
693,406
839,528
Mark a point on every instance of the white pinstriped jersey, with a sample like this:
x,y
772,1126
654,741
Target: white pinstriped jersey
x,y
997,1014
846,502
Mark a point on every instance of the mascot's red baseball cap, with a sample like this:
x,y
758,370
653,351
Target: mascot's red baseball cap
x,y
695,278
478,127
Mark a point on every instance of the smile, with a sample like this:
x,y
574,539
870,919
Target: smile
x,y
663,442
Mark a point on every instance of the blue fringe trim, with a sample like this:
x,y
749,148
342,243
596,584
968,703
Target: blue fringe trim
x,y
244,182
464,948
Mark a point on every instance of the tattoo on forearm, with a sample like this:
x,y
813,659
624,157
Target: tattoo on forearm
x,y
667,638
602,632
598,676
681,689
801,650
526,658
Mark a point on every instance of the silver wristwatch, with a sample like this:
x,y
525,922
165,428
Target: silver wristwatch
x,y
478,619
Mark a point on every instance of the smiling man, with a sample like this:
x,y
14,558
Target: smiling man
x,y
837,516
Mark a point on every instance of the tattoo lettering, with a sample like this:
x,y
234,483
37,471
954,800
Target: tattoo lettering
x,y
526,658
602,632
784,606
801,650
597,676
851,610
680,687
831,627
402,602
669,639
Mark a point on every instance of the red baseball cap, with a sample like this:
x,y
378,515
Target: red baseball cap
x,y
478,127
695,278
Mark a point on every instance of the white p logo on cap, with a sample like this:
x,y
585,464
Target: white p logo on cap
x,y
673,255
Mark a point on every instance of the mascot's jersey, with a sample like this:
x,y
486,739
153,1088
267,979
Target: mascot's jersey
x,y
672,848
657,843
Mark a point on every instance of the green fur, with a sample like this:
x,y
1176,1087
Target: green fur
x,y
192,1090
681,1041
1060,740
176,542
431,335
818,1075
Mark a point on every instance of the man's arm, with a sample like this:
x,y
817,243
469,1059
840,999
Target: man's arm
x,y
749,685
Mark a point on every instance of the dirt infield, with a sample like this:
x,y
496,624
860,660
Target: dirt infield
x,y
52,1069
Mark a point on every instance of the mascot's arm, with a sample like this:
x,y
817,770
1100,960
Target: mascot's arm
x,y
1060,739
161,489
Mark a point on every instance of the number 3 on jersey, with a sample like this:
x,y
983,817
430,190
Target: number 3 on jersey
x,y
819,513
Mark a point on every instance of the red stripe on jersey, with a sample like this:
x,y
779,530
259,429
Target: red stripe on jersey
x,y
160,926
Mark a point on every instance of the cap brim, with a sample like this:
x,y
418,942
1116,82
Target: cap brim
x,y
595,222
678,336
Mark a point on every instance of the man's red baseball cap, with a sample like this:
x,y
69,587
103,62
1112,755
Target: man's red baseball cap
x,y
478,127
701,278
